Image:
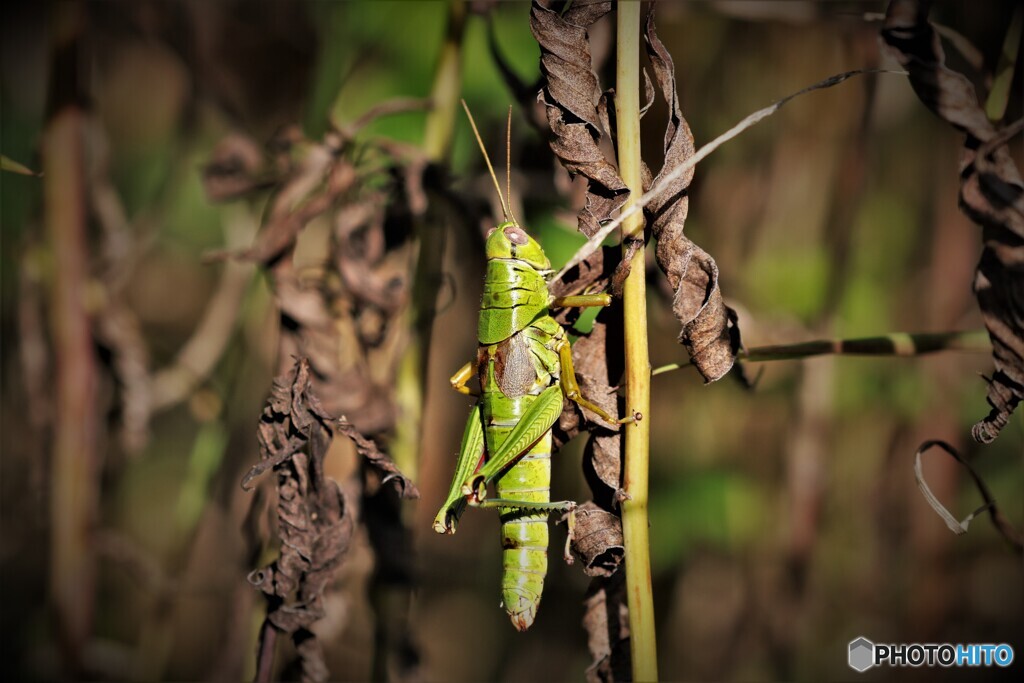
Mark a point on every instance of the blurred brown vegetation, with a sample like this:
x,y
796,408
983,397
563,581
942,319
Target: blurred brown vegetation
x,y
784,521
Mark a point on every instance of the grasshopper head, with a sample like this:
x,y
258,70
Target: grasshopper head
x,y
508,240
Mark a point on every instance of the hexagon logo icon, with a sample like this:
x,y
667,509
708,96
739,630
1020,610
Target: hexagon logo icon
x,y
862,654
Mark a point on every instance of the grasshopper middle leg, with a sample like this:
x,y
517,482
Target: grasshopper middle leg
x,y
567,506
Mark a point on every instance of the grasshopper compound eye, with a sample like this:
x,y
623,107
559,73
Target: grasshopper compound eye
x,y
515,235
490,232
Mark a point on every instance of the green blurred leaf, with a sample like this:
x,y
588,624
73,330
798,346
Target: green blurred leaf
x,y
205,458
8,164
999,95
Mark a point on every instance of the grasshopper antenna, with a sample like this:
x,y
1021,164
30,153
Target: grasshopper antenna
x,y
497,186
508,165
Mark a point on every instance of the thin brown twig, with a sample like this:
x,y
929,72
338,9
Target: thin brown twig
x,y
591,245
388,108
74,486
200,354
265,658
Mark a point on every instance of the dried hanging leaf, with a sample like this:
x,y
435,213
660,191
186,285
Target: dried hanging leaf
x,y
606,620
571,95
294,413
598,540
314,522
346,330
343,317
603,453
378,460
991,194
578,119
709,332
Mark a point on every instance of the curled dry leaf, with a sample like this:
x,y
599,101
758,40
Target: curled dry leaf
x,y
378,460
580,115
591,356
571,95
598,536
606,620
314,521
344,318
294,414
991,194
710,332
598,540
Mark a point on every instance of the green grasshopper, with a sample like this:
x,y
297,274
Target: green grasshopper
x,y
524,364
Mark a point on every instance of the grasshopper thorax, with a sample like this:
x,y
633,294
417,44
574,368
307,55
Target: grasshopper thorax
x,y
509,241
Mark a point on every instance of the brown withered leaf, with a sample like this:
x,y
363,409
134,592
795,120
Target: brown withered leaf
x,y
598,540
343,317
571,95
294,414
603,453
378,460
991,194
709,332
606,620
318,177
314,521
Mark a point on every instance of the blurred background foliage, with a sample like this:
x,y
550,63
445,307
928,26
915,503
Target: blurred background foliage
x,y
784,521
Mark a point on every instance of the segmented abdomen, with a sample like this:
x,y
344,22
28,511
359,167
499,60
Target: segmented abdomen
x,y
524,534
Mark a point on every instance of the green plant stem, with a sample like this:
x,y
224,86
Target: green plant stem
x,y
639,596
900,344
391,598
444,95
437,141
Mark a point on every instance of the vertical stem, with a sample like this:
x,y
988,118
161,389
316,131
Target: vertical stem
x,y
638,366
74,469
393,583
444,95
437,140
